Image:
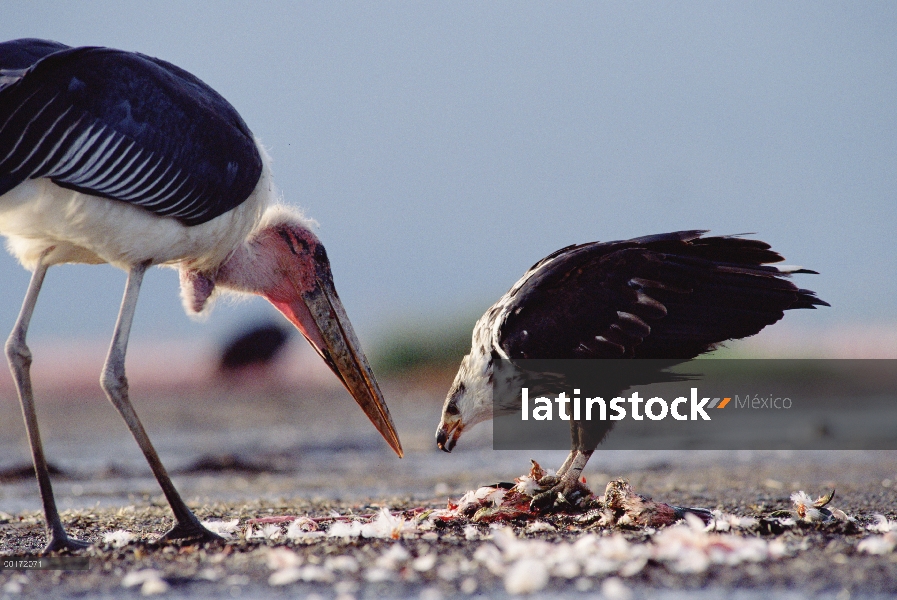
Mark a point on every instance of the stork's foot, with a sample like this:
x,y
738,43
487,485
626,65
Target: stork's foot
x,y
189,533
63,543
562,491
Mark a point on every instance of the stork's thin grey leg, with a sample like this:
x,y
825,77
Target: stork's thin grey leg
x,y
115,384
19,357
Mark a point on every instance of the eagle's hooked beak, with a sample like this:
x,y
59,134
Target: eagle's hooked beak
x,y
449,431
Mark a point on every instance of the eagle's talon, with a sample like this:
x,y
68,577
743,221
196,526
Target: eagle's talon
x,y
542,501
563,493
549,481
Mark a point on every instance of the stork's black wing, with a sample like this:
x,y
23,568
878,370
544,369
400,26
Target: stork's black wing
x,y
127,127
21,54
670,296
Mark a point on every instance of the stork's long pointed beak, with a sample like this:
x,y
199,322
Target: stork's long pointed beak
x,y
320,316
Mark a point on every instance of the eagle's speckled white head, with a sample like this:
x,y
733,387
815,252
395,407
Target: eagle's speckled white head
x,y
469,400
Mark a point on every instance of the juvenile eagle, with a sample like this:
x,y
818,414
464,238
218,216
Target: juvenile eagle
x,y
668,296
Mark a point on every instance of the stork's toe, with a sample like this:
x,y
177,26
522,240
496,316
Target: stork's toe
x,y
64,543
190,533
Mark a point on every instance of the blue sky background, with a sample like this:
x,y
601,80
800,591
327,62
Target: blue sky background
x,y
446,147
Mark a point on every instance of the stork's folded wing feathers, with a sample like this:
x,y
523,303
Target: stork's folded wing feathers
x,y
22,53
671,296
128,127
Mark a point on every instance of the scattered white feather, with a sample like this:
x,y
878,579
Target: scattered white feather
x,y
304,524
787,522
801,498
211,574
525,576
303,529
118,539
467,501
316,573
149,580
153,587
289,567
613,588
468,587
568,570
812,515
343,564
378,575
290,575
688,547
223,528
430,593
494,497
345,588
527,485
490,557
482,492
882,525
428,524
283,558
448,571
393,558
12,587
727,522
424,563
455,567
538,526
633,567
345,529
385,525
138,577
270,531
878,544
285,576
475,499
236,580
525,565
809,510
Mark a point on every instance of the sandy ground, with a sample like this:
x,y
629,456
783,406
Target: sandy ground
x,y
245,454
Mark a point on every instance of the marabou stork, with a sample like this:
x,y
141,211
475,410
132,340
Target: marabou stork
x,y
115,157
668,296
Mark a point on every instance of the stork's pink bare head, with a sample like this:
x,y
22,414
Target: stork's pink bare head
x,y
286,263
